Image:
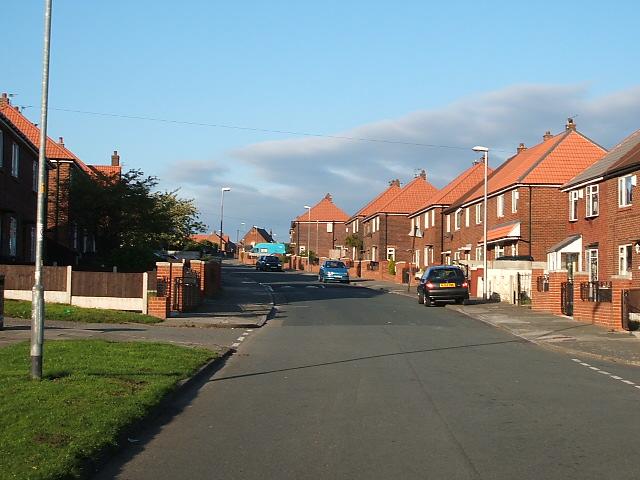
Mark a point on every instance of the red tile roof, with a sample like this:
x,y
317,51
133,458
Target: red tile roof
x,y
382,199
458,187
32,133
107,170
552,162
324,211
410,198
509,230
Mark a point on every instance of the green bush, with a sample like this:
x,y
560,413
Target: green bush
x,y
392,267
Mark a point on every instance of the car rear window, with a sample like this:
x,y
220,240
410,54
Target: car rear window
x,y
334,265
271,259
446,274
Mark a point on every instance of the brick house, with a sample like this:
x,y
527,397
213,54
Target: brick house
x,y
387,227
428,219
321,229
254,236
526,209
67,240
603,211
354,224
18,194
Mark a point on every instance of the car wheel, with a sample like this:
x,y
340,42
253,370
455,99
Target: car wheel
x,y
420,299
428,302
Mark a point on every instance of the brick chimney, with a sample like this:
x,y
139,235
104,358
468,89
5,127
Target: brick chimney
x,y
61,141
547,135
571,125
115,159
395,182
423,174
521,148
328,197
4,100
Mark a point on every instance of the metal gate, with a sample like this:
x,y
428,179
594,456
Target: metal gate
x,y
566,298
631,309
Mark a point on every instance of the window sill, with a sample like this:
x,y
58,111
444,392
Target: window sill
x,y
592,216
620,207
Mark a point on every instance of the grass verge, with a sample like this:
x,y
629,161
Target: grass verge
x,y
91,392
69,313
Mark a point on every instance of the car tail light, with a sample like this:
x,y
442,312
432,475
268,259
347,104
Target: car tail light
x,y
465,284
429,285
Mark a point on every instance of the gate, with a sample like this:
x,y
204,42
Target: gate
x,y
631,309
566,298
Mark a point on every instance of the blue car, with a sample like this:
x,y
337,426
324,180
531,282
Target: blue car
x,y
333,271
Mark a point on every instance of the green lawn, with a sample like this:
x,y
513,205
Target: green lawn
x,y
59,311
92,390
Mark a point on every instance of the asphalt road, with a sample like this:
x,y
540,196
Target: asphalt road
x,y
352,383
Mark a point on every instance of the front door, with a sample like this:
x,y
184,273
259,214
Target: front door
x,y
592,263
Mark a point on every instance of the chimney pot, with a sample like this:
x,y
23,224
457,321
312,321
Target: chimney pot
x,y
571,125
4,99
395,183
328,197
61,141
547,135
521,147
115,159
423,174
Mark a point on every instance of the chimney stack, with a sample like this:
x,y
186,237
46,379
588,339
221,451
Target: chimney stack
x,y
115,159
570,125
521,148
547,135
395,183
423,174
61,141
4,100
328,197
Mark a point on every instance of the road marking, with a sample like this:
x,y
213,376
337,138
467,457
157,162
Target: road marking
x,y
235,345
245,334
249,330
615,377
240,339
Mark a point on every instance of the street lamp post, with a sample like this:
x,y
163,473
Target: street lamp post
x,y
308,235
238,232
485,220
223,189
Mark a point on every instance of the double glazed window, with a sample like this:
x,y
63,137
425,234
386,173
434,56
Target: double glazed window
x,y
593,204
458,218
515,197
15,160
625,190
573,205
500,206
624,259
478,213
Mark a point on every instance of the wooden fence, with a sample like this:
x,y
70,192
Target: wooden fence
x,y
21,277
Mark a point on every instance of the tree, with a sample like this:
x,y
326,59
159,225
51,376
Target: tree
x,y
355,240
130,221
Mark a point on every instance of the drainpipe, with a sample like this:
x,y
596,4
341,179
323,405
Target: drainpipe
x,y
57,236
441,236
530,225
386,229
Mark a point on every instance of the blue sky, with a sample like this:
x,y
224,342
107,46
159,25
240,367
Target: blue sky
x,y
446,73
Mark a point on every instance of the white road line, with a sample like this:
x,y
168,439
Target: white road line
x,y
240,339
637,386
628,382
604,373
594,368
616,377
577,360
245,334
585,364
235,345
249,330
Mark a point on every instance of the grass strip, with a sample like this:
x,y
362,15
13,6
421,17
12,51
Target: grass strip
x,y
91,392
69,313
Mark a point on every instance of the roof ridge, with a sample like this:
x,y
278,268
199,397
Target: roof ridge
x,y
562,136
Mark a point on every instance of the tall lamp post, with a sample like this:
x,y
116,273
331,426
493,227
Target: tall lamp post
x,y
485,152
238,232
223,189
308,235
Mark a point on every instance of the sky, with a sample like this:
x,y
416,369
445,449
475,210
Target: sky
x,y
252,95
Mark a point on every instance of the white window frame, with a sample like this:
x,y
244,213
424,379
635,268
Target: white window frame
x,y
418,222
514,249
478,213
433,218
391,253
590,254
592,200
467,215
302,248
498,249
625,190
377,224
329,227
479,252
458,219
448,223
426,220
15,160
417,257
515,198
500,205
625,259
456,255
426,256
574,195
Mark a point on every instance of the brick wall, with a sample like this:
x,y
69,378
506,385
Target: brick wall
x,y
549,301
314,236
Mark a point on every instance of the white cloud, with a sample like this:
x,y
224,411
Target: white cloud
x,y
292,173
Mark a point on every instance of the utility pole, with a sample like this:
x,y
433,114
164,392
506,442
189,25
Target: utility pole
x,y
37,293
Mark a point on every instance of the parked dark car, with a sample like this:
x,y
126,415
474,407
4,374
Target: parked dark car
x,y
269,262
443,283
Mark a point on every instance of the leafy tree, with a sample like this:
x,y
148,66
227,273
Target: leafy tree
x,y
355,240
129,219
